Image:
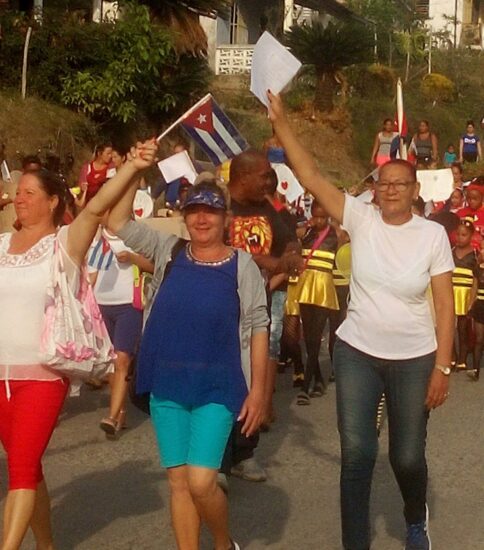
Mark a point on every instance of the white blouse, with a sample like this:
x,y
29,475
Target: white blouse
x,y
23,282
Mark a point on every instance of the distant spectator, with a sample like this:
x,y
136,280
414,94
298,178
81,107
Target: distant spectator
x,y
95,173
425,145
470,145
383,143
450,156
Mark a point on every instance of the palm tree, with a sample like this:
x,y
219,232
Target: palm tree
x,y
182,17
327,50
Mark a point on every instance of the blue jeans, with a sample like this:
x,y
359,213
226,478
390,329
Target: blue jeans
x,y
360,382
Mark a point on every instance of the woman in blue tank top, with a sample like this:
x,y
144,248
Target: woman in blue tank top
x,y
203,355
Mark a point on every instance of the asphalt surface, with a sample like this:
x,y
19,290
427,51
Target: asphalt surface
x,y
113,495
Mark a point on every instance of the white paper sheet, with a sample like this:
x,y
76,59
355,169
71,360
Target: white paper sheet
x,y
288,185
178,166
436,185
273,67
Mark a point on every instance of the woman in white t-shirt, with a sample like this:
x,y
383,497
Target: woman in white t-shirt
x,y
387,342
111,268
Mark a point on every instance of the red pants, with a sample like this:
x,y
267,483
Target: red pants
x,y
27,421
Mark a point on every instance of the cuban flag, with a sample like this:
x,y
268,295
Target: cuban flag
x,y
213,131
100,255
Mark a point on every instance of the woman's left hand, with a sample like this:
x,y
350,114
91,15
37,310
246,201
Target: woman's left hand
x,y
124,257
438,390
143,155
252,413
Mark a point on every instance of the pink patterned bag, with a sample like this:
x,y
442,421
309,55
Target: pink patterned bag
x,y
74,340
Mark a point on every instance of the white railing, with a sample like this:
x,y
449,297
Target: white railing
x,y
233,59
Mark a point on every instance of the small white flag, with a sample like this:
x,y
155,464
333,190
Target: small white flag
x,y
5,171
288,185
178,166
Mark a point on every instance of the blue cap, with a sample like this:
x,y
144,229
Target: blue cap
x,y
205,197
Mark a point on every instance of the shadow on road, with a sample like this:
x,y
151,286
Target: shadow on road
x,y
91,502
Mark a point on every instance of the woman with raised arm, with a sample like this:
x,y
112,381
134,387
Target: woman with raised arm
x,y
387,343
203,355
31,395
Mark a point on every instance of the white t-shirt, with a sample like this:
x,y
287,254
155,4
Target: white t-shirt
x,y
114,283
388,314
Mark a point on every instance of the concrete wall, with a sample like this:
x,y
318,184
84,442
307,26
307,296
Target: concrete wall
x,y
438,9
218,32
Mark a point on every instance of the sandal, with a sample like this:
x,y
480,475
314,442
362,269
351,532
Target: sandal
x,y
109,426
303,399
121,422
317,391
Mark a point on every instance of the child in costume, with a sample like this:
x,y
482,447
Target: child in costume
x,y
465,260
477,314
316,295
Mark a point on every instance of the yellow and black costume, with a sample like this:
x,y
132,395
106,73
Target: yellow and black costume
x,y
477,309
462,281
316,294
315,285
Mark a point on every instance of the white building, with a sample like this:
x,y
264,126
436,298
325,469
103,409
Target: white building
x,y
462,19
231,40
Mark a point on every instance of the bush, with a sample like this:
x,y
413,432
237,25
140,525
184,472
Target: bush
x,y
300,95
437,87
371,80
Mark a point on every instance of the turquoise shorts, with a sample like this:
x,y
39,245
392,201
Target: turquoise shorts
x,y
195,436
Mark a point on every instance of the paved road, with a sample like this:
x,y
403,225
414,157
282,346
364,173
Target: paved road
x,y
113,495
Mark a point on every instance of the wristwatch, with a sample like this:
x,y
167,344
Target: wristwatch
x,y
444,370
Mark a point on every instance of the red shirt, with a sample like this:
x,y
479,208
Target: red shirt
x,y
95,180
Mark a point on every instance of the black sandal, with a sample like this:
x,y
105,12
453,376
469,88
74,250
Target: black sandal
x,y
303,399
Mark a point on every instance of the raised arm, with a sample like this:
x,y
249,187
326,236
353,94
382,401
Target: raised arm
x,y
83,228
328,195
479,151
461,149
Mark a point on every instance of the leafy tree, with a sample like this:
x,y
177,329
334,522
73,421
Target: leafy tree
x,y
120,71
389,17
327,50
130,73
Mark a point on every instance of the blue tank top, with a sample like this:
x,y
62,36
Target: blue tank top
x,y
190,350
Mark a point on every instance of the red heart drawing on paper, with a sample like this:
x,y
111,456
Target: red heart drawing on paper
x,y
138,212
284,185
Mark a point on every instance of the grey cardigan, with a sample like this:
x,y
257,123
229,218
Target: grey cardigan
x,y
157,246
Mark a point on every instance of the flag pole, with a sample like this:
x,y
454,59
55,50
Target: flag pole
x,y
400,115
183,117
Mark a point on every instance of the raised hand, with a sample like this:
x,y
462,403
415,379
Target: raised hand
x,y
143,155
276,108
